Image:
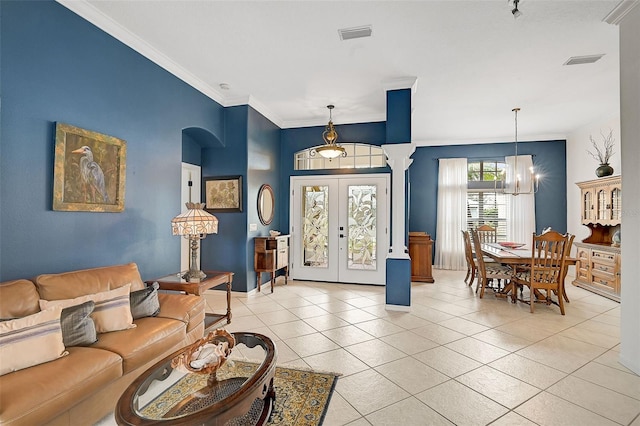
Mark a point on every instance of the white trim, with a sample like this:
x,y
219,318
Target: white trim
x,y
397,308
401,83
620,11
498,139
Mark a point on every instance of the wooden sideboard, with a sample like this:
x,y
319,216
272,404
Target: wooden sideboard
x,y
598,266
420,250
270,255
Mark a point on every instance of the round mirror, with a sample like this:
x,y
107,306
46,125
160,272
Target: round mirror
x,y
266,204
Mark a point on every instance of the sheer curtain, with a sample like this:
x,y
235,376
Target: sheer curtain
x,y
521,219
452,213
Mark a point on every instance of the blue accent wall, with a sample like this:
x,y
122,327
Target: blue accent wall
x,y
549,159
57,67
226,250
399,116
263,168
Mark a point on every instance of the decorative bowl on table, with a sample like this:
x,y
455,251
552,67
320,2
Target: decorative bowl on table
x,y
274,233
508,244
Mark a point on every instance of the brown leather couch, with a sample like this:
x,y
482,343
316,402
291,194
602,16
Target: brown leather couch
x,y
84,386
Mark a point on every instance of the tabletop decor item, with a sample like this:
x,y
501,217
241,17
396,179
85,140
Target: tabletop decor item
x,y
603,154
206,355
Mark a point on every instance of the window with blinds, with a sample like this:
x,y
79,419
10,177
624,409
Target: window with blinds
x,y
486,204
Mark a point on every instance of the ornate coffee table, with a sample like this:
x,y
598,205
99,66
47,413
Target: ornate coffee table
x,y
237,397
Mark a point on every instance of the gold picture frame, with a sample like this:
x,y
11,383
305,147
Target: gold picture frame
x,y
89,171
222,194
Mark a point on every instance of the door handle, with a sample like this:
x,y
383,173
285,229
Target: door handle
x,y
341,235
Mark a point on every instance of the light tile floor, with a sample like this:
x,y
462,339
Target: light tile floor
x,y
453,359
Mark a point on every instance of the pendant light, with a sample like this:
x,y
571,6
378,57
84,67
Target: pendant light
x,y
330,149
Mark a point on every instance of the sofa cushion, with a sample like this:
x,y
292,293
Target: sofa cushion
x,y
78,328
32,340
145,303
112,310
38,394
18,298
68,285
152,337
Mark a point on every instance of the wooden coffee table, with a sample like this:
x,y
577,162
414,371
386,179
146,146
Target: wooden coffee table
x,y
246,400
175,282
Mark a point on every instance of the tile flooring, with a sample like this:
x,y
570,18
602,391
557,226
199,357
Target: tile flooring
x,y
453,359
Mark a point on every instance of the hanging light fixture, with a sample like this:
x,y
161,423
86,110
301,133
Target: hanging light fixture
x,y
516,179
330,149
516,13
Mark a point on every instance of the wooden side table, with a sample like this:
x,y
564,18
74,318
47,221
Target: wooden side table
x,y
214,278
271,254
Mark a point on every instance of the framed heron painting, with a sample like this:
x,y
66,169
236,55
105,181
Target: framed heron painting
x,y
89,171
222,193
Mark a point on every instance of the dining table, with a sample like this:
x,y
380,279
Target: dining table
x,y
515,255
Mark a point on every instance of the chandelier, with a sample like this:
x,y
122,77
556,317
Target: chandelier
x,y
518,177
330,149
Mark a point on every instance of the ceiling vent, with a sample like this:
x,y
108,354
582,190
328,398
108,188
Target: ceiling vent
x,y
355,32
589,59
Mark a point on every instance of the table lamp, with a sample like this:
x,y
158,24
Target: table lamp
x,y
194,224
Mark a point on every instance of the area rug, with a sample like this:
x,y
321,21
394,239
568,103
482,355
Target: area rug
x,y
302,396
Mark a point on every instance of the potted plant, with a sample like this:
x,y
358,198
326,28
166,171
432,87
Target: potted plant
x,y
602,155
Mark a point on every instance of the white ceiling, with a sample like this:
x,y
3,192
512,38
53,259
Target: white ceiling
x,y
472,60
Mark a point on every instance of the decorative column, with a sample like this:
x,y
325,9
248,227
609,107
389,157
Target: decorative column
x,y
398,149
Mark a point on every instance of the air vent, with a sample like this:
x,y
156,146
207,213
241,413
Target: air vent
x,y
356,32
589,59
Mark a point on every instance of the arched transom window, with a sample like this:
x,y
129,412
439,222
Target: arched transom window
x,y
359,156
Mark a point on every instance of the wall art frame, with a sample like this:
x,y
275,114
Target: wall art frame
x,y
89,171
222,194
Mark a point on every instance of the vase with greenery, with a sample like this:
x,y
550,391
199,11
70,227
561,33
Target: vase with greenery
x,y
603,154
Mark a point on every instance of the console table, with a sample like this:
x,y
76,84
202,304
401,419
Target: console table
x,y
420,249
175,282
270,255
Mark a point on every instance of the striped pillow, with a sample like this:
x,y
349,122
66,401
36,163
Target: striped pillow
x,y
111,313
31,340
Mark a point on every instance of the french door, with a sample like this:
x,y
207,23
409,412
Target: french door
x,y
339,228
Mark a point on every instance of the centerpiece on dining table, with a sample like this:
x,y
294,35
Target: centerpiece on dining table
x,y
511,245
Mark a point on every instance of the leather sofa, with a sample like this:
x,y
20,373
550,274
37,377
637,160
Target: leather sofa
x,y
83,386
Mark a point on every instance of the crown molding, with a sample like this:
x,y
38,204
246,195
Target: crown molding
x,y
370,118
620,11
525,139
401,83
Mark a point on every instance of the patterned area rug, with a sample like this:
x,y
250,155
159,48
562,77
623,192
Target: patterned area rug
x,y
302,396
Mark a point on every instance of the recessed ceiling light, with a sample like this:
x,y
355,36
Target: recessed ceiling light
x,y
588,59
355,32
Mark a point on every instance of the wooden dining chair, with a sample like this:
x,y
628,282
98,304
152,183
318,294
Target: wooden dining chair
x,y
487,234
546,271
488,272
468,254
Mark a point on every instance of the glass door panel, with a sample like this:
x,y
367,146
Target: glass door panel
x,y
315,227
362,226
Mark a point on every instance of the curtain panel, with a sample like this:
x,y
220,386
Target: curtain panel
x,y
452,214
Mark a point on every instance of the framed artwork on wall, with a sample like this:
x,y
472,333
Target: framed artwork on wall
x,y
222,193
89,171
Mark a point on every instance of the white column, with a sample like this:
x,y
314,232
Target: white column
x,y
398,159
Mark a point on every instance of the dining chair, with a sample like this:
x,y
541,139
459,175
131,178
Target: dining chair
x,y
546,271
468,254
487,234
488,271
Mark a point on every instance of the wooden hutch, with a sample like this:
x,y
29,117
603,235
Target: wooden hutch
x,y
598,266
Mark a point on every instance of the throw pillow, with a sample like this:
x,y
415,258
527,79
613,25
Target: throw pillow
x,y
145,303
111,313
31,340
78,328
